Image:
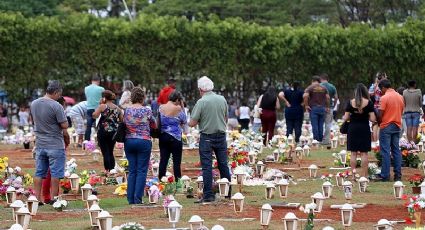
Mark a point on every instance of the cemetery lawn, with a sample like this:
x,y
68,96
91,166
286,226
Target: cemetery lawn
x,y
379,198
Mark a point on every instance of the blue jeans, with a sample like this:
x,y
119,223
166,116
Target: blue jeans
x,y
90,122
138,153
294,125
50,158
389,142
207,144
412,119
317,118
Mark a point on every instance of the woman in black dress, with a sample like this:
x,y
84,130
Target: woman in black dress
x,y
359,111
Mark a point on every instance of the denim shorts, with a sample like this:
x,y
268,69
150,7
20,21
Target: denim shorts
x,y
412,119
50,158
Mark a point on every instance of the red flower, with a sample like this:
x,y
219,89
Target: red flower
x,y
404,197
1,182
171,179
408,220
240,161
233,164
215,164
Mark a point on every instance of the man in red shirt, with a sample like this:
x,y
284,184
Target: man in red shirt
x,y
166,91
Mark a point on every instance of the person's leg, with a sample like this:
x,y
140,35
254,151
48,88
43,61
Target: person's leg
x,y
111,146
90,122
57,160
314,119
322,116
143,158
220,149
328,124
272,124
177,157
164,154
353,162
205,154
130,148
46,187
415,126
104,149
384,142
298,127
408,122
41,167
264,127
289,126
395,149
365,164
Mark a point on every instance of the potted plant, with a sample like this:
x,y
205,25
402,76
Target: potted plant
x,y
415,181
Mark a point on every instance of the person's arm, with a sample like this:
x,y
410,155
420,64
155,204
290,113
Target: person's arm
x,y
98,111
282,97
259,101
277,103
346,116
121,116
195,115
306,98
328,103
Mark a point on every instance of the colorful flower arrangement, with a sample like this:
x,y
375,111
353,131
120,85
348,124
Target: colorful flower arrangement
x,y
309,209
237,156
327,177
90,146
373,170
124,164
409,153
168,185
70,167
16,178
416,180
414,204
344,174
65,185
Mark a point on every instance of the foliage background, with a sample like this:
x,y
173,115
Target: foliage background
x,y
240,57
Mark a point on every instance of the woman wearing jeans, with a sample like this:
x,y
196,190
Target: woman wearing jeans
x,y
172,117
412,110
138,120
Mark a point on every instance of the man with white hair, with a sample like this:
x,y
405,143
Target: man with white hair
x,y
210,113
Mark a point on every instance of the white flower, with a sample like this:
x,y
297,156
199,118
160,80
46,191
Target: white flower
x,y
10,170
67,174
57,204
64,203
331,175
310,207
164,179
18,169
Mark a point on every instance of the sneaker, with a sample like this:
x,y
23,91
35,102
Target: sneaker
x,y
379,178
397,178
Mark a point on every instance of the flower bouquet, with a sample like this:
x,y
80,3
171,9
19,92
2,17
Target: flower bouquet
x,y
327,177
415,180
409,153
3,164
168,185
65,186
60,205
341,176
414,205
309,209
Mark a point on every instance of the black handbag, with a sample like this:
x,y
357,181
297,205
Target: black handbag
x,y
156,132
119,135
344,127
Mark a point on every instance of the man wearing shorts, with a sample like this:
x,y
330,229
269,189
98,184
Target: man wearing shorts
x,y
78,116
49,122
412,111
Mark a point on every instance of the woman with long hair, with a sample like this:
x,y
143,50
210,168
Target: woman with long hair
x,y
125,99
268,103
359,111
138,120
173,117
110,115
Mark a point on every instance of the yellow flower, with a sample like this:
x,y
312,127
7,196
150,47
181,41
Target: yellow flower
x,y
121,190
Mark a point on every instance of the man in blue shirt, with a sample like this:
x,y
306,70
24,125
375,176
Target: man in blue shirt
x,y
93,94
333,98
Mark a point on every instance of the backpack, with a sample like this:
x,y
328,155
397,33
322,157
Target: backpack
x,y
110,120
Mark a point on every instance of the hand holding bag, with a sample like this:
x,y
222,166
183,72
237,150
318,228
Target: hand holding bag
x,y
119,135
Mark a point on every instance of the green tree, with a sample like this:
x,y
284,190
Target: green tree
x,y
31,7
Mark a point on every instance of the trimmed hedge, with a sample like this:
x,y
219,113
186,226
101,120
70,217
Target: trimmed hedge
x,y
238,56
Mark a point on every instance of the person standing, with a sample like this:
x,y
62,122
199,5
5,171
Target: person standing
x,y
333,95
412,110
316,102
166,91
125,99
49,125
23,116
244,118
268,103
78,114
173,118
93,94
110,116
359,111
256,121
390,110
232,119
4,121
210,113
294,112
138,120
